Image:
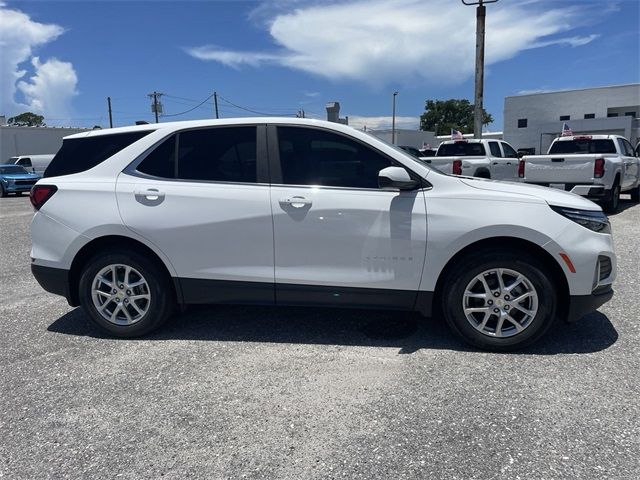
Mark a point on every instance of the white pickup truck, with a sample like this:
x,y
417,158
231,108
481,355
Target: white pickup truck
x,y
476,158
598,167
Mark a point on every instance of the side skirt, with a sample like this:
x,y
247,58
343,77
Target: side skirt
x,y
199,291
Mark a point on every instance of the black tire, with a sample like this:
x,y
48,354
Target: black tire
x,y
3,192
610,205
468,268
635,194
483,174
162,299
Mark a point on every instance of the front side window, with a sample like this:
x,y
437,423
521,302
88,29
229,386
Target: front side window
x,y
495,149
25,162
311,156
509,152
626,148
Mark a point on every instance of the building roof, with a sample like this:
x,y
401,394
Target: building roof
x,y
548,92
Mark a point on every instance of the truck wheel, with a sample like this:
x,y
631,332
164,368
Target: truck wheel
x,y
610,205
499,300
635,194
125,294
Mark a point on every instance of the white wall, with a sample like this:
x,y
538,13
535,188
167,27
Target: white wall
x,y
32,140
410,138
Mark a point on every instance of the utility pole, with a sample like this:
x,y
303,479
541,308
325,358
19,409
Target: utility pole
x,y
215,102
481,13
156,107
393,120
110,115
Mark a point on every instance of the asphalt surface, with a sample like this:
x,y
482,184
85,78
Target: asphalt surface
x,y
239,392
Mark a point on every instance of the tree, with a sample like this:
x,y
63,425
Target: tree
x,y
448,114
27,119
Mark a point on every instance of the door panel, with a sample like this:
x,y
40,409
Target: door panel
x,y
348,238
209,230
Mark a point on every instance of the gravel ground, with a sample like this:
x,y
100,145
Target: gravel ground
x,y
249,392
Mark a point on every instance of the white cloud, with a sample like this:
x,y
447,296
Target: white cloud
x,y
381,41
51,88
53,83
379,123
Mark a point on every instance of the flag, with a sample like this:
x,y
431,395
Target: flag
x,y
425,146
566,130
456,135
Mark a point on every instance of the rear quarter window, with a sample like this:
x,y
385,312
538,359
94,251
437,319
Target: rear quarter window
x,y
461,149
79,154
580,146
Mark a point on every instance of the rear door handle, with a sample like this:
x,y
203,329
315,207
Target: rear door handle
x,y
296,201
149,195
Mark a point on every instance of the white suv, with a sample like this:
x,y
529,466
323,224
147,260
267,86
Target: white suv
x,y
132,221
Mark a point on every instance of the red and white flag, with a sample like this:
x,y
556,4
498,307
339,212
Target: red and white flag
x,y
566,130
456,135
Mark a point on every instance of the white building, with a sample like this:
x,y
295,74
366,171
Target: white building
x,y
32,140
408,138
533,121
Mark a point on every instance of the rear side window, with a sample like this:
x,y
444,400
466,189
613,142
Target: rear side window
x,y
460,149
80,154
225,154
495,149
582,145
161,162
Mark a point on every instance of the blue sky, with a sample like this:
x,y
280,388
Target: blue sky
x,y
64,58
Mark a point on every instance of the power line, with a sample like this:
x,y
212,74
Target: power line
x,y
253,111
191,109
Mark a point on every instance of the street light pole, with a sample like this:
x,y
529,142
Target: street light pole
x,y
393,120
481,13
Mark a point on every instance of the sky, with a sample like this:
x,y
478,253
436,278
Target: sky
x,y
276,57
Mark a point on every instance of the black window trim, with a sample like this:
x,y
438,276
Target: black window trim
x,y
262,167
276,170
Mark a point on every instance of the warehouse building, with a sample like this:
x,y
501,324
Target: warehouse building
x,y
532,121
16,140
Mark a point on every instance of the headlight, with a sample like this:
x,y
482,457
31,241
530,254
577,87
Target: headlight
x,y
595,221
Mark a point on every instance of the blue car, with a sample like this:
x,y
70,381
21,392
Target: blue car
x,y
15,179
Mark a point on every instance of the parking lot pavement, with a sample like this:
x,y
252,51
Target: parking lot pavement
x,y
250,392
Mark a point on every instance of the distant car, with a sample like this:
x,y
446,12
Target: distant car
x,y
15,179
35,163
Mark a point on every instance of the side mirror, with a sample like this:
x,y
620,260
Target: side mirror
x,y
395,178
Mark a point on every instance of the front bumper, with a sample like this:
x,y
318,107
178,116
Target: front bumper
x,y
13,188
53,280
581,305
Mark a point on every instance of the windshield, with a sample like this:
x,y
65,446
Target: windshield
x,y
12,169
406,154
460,149
582,145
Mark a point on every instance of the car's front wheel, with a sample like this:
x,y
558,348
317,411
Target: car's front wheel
x,y
125,294
499,300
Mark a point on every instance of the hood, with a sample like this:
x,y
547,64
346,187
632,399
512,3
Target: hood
x,y
552,196
20,176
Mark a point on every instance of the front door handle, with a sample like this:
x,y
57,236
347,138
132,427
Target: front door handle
x,y
296,201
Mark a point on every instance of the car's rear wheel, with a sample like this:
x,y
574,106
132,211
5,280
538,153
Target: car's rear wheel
x,y
610,205
499,300
125,294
